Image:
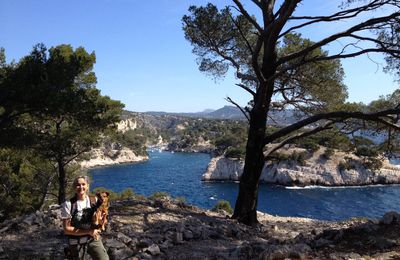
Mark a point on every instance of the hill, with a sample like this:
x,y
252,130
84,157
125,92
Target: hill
x,y
279,118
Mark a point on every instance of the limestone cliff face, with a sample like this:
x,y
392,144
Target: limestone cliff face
x,y
103,156
126,125
314,172
113,153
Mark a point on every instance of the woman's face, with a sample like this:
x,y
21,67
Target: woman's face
x,y
81,187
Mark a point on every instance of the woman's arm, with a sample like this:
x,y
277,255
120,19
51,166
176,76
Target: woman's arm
x,y
70,230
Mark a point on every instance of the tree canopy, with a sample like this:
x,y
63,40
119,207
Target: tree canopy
x,y
50,103
280,68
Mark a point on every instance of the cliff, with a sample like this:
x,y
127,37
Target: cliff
x,y
167,229
104,157
113,152
313,171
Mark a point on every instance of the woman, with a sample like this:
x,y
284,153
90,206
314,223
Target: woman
x,y
76,215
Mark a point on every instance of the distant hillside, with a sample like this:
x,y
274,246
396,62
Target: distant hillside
x,y
285,117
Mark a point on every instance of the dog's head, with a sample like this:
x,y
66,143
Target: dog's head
x,y
103,197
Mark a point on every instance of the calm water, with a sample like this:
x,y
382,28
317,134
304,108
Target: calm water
x,y
179,174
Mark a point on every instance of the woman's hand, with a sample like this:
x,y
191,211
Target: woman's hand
x,y
95,233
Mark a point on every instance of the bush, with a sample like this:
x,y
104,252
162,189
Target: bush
x,y
223,205
328,153
235,153
347,164
277,157
181,201
159,195
373,163
24,179
113,195
299,157
127,194
366,151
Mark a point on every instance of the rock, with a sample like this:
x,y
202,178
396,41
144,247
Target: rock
x,y
165,245
340,256
390,218
384,243
29,219
321,242
311,173
123,238
123,253
298,251
387,255
153,250
144,255
145,242
178,238
187,235
113,243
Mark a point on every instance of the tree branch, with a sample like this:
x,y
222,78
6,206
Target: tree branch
x,y
237,105
358,27
247,15
336,117
290,139
342,15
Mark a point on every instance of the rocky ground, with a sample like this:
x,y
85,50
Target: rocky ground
x,y
168,229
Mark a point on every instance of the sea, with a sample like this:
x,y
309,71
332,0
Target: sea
x,y
179,174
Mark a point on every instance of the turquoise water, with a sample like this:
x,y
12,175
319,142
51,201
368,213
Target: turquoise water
x,y
179,174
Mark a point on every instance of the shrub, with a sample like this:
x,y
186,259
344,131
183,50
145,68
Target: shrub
x,y
127,194
373,163
159,195
180,201
328,153
366,151
299,157
113,195
233,152
347,164
278,157
223,205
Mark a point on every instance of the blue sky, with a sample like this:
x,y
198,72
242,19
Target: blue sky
x,y
143,58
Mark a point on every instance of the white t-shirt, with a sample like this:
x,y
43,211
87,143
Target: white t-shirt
x,y
80,204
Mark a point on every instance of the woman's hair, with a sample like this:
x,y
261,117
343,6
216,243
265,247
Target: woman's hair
x,y
86,178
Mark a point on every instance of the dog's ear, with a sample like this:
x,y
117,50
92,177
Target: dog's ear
x,y
108,194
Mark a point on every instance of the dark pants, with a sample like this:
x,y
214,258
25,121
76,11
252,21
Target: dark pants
x,y
85,247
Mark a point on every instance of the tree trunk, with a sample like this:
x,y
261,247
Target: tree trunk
x,y
62,182
246,203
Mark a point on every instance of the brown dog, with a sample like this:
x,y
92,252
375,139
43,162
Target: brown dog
x,y
100,216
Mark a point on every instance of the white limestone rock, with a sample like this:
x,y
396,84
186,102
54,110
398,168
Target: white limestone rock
x,y
314,172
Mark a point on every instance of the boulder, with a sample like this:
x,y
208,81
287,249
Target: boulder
x,y
390,218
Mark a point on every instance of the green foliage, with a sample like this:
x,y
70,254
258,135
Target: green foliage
x,y
159,195
125,194
133,139
373,163
223,205
328,153
330,139
366,151
237,153
49,102
299,157
180,201
347,164
277,157
25,178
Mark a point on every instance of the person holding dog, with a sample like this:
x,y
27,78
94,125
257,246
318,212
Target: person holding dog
x,y
76,215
